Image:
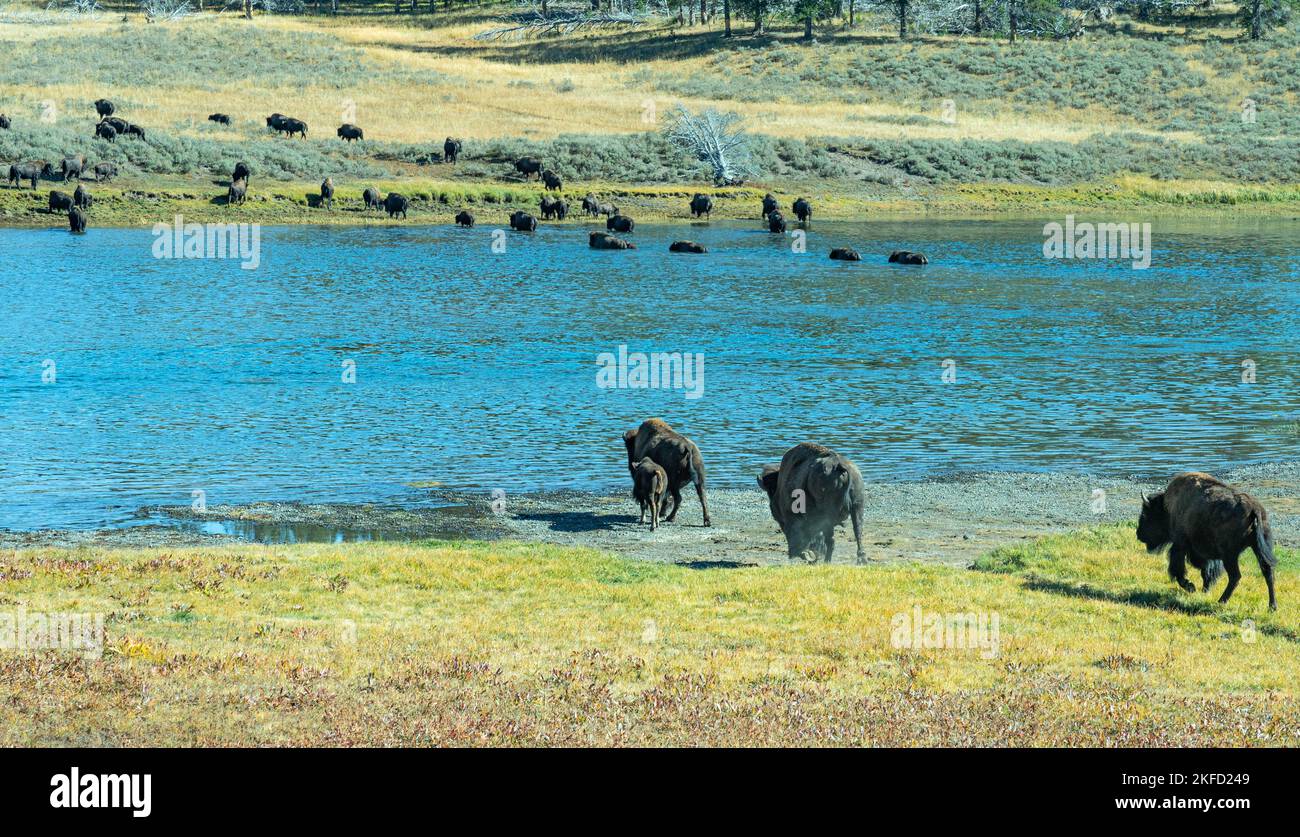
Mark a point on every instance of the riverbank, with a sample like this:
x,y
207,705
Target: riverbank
x,y
145,201
513,644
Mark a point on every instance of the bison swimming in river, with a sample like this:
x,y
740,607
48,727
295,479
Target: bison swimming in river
x,y
845,254
1208,524
522,221
649,489
605,241
907,257
812,491
676,454
620,223
776,222
686,247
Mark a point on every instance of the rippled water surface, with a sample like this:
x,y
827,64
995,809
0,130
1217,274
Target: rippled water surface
x,y
478,370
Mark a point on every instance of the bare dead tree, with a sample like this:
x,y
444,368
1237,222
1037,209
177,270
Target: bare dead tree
x,y
714,138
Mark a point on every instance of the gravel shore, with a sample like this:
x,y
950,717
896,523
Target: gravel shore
x,y
950,521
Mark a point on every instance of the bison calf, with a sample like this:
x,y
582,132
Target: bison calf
x,y
812,491
1207,523
649,489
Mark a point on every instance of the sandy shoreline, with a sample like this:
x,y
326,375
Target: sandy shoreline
x,y
950,522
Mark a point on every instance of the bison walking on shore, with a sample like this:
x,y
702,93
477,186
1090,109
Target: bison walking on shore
x,y
552,181
769,205
701,206
105,171
649,489
5,124
465,218
450,150
82,197
31,172
60,202
1208,524
242,172
106,131
72,167
237,192
812,491
396,204
676,454
219,118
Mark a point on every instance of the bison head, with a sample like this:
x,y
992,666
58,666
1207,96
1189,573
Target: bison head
x,y
1153,523
808,546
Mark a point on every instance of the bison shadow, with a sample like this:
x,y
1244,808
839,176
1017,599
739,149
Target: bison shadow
x,y
578,521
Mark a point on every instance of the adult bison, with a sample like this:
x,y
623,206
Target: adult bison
x,y
119,125
845,254
106,131
219,118
590,206
30,171
275,120
72,167
134,131
327,193
769,205
676,454
776,222
907,257
242,171
450,149
237,192
802,211
76,220
528,166
105,171
60,201
522,221
347,132
605,241
104,107
396,204
812,491
1208,524
465,218
686,247
293,126
701,206
5,124
649,489
82,197
370,196
620,223
549,207
552,181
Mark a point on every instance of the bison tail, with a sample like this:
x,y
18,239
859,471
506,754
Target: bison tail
x,y
1212,571
1264,541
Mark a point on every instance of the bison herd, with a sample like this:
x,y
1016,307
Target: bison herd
x,y
813,490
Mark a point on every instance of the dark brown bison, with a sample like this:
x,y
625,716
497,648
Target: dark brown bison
x,y
907,257
450,150
812,491
105,171
769,205
76,220
686,247
347,132
605,241
606,209
242,172
104,107
528,166
119,125
776,222
275,120
396,204
237,192
60,202
620,223
293,126
371,198
802,210
701,206
82,197
464,218
327,193
522,221
549,207
72,167
219,118
31,172
552,181
134,131
649,489
1208,524
845,254
106,131
590,206
5,124
676,454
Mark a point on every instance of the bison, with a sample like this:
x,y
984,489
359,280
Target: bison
x,y
76,220
82,197
237,192
134,130
31,172
845,254
649,489
119,125
686,247
396,204
605,241
347,132
105,171
589,206
620,223
274,120
370,196
528,166
219,118
802,211
104,108
522,221
106,131
549,207
242,172
293,126
73,167
676,454
465,218
776,222
5,124
907,257
60,201
1207,523
812,491
769,205
327,193
552,181
450,150
701,206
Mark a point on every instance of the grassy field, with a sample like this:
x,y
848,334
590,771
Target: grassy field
x,y
1150,118
515,644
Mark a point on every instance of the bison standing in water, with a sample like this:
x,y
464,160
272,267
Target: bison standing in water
x,y
451,150
812,491
907,257
649,489
776,222
523,222
676,454
76,220
701,205
769,205
465,218
803,211
620,223
1209,524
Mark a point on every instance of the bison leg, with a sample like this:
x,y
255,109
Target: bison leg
x,y
1178,567
641,519
1266,568
699,491
654,516
677,502
1234,576
829,537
